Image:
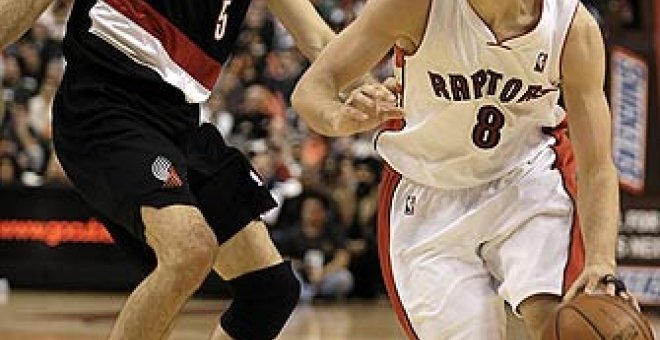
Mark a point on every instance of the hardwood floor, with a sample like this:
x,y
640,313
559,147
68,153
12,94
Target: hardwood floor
x,y
79,316
30,315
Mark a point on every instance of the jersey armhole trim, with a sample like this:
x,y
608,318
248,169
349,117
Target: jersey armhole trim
x,y
563,45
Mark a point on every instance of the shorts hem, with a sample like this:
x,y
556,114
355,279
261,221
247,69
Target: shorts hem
x,y
162,199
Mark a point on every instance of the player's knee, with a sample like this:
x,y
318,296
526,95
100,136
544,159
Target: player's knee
x,y
194,261
263,302
189,254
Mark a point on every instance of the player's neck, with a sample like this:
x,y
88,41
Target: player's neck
x,y
506,12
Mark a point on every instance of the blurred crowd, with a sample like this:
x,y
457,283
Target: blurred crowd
x,y
327,188
31,71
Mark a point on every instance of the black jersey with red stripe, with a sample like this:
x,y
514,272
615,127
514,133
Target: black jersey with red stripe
x,y
181,42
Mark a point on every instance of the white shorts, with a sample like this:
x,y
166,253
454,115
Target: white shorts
x,y
450,258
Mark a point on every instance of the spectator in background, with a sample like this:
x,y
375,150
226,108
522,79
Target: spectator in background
x,y
40,37
30,148
32,66
8,166
13,81
283,68
362,231
276,177
255,115
215,111
40,106
318,251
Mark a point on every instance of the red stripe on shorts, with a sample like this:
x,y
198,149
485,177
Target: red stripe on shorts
x,y
179,47
388,186
565,163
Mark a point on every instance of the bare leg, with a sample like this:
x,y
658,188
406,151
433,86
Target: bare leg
x,y
537,311
515,327
185,248
249,250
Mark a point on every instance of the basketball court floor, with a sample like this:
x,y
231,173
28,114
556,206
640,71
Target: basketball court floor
x,y
28,315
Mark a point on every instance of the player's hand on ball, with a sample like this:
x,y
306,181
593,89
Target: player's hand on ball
x,y
600,279
589,280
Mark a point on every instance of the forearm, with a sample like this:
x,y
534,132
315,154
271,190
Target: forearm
x,y
16,16
308,29
316,101
311,44
598,209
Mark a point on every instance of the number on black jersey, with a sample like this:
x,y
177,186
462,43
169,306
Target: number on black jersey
x,y
221,24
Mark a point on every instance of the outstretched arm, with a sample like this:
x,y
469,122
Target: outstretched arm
x,y
306,26
16,16
353,53
583,70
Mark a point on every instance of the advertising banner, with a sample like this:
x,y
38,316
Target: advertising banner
x,y
629,103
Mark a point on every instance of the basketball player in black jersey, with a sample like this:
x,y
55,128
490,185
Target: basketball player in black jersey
x,y
127,132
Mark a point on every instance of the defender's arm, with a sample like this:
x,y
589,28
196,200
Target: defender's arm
x,y
306,26
583,70
16,16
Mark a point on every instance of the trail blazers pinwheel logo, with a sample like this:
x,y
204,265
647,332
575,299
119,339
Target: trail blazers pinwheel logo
x,y
165,172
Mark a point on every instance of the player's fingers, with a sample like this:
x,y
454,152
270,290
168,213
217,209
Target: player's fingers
x,y
591,286
378,93
351,113
610,289
362,102
390,112
348,117
631,299
393,85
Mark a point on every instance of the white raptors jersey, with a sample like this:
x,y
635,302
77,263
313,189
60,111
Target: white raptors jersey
x,y
476,107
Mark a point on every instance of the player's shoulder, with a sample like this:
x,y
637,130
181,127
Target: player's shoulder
x,y
583,54
584,24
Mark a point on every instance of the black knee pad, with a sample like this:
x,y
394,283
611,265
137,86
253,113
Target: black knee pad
x,y
263,302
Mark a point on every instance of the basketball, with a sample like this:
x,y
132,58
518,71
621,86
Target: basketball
x,y
603,317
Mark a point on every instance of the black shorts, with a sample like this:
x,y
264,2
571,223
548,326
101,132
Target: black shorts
x,y
128,144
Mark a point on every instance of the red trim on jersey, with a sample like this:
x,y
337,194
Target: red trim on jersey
x,y
179,47
393,125
388,186
399,57
565,163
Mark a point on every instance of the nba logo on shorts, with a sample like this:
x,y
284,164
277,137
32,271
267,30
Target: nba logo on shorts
x,y
410,205
541,61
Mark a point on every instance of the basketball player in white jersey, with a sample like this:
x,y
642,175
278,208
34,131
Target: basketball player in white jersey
x,y
479,204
